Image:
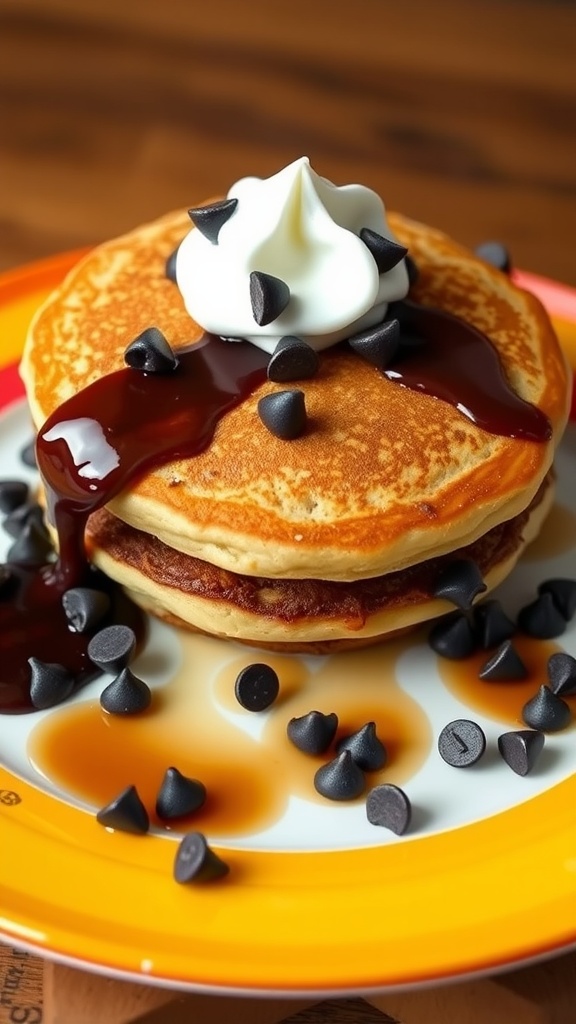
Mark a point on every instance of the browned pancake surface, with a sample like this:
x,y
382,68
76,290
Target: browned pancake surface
x,y
384,477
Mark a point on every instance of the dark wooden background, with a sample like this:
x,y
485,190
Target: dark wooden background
x,y
460,112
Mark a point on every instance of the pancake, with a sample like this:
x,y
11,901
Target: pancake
x,y
309,616
385,480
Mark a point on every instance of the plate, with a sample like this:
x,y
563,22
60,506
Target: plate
x,y
317,900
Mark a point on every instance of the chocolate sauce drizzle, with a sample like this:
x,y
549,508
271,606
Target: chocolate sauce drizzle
x,y
105,437
443,356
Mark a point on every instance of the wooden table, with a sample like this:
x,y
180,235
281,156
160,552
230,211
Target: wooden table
x,y
35,993
459,114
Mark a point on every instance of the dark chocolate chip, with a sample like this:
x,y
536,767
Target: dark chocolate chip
x,y
170,266
32,546
378,345
461,743
412,269
366,748
389,807
17,520
196,861
313,733
28,455
521,749
284,414
13,493
546,711
85,608
126,695
179,795
151,353
496,255
564,594
50,683
387,254
269,297
8,582
292,359
562,674
112,648
256,687
126,813
493,626
505,664
453,637
460,582
541,619
340,779
209,219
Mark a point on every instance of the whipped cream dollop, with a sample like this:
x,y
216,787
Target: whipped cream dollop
x,y
282,256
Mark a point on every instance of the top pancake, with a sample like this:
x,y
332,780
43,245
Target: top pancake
x,y
384,477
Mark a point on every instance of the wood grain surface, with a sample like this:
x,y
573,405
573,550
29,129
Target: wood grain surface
x,y
460,114
543,993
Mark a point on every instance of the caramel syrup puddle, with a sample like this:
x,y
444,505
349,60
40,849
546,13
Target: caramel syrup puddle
x,y
501,701
197,727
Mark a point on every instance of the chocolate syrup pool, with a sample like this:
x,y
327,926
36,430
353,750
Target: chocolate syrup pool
x,y
103,438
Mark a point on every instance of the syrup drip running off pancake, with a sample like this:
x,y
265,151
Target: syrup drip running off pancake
x,y
455,436
212,378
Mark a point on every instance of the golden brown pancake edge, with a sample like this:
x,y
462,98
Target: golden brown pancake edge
x,y
384,478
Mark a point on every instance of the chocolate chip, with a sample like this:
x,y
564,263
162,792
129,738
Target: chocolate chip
x,y
112,648
313,733
564,595
340,779
541,619
284,414
366,748
151,353
126,813
126,695
32,546
521,749
50,683
505,664
269,296
453,637
209,219
493,626
21,516
179,795
13,493
378,345
562,674
460,582
461,743
292,359
389,807
85,608
546,711
256,687
195,861
28,455
170,266
8,582
387,254
496,255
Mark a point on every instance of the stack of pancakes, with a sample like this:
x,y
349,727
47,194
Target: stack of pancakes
x,y
336,538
